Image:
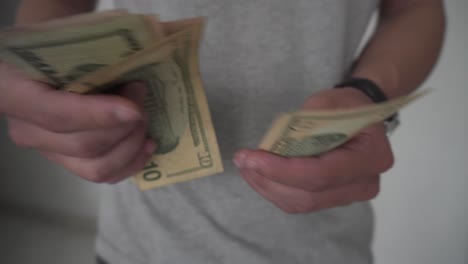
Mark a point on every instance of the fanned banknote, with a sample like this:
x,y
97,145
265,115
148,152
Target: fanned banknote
x,y
97,51
187,143
60,55
311,133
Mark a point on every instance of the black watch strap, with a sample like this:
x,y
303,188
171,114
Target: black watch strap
x,y
374,92
366,86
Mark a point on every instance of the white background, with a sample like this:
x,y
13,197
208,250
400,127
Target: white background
x,y
422,211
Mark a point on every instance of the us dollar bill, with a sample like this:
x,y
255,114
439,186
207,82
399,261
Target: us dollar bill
x,y
89,57
311,133
60,55
180,120
188,148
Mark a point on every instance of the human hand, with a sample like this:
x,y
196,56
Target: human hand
x,y
101,138
342,176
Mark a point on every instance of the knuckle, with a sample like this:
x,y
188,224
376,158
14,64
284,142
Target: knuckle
x,y
89,148
370,192
387,162
373,191
17,137
99,174
383,155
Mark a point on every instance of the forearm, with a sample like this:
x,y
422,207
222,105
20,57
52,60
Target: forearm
x,y
404,47
31,11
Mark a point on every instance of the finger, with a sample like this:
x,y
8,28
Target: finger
x,y
60,111
85,144
106,168
368,153
278,194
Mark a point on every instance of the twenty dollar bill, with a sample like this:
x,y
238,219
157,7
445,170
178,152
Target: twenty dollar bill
x,y
311,133
94,52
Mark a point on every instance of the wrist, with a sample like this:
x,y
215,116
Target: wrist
x,y
374,93
365,86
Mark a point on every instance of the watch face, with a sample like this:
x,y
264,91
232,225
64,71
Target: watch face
x,y
391,124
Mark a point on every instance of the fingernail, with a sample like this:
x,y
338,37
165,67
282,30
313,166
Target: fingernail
x,y
242,162
250,164
150,147
239,159
127,115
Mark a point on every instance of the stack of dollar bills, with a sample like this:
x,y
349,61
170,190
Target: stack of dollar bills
x,y
94,52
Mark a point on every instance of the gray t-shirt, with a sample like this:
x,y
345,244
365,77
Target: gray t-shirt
x,y
258,58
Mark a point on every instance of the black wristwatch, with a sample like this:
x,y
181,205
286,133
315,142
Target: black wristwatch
x,y
374,92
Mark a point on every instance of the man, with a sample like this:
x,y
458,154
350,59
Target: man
x,y
258,58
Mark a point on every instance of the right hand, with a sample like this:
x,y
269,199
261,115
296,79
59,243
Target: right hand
x,y
101,138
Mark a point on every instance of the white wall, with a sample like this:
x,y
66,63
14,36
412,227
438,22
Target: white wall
x,y
422,211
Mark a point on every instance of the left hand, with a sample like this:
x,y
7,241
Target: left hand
x,y
340,177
